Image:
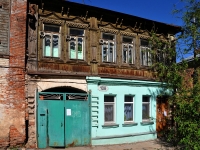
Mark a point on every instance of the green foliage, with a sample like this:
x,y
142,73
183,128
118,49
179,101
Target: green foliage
x,y
185,95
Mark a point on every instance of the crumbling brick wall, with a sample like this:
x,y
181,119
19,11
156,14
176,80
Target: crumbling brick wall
x,y
12,73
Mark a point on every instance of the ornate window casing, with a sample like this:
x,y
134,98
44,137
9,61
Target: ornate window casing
x,y
108,47
128,50
76,35
145,53
76,43
51,40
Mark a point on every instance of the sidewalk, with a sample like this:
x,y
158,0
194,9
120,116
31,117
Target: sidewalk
x,y
147,145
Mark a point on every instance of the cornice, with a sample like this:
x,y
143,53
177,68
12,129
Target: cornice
x,y
106,81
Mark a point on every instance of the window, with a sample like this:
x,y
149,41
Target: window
x,y
128,108
76,43
108,47
109,109
51,40
145,54
145,108
128,50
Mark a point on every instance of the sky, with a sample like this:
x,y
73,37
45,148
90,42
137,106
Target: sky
x,y
157,10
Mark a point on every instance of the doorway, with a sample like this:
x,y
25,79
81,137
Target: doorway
x,y
63,119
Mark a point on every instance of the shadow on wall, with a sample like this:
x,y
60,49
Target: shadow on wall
x,y
64,89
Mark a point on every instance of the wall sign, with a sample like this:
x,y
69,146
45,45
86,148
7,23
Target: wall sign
x,y
103,88
68,112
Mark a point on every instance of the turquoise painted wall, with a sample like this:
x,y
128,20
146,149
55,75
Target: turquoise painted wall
x,y
119,88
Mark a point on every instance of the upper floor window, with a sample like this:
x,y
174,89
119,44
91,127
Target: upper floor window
x,y
51,40
108,47
145,54
76,43
128,50
161,54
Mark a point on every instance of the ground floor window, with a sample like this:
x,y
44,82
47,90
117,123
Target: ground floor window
x,y
109,109
145,108
128,109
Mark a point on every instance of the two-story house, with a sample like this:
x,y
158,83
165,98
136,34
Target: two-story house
x,y
88,80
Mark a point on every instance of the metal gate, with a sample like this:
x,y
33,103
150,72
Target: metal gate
x,y
63,119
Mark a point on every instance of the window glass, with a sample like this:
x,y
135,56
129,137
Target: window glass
x,y
109,113
47,45
109,109
55,45
51,28
76,32
128,108
145,54
145,108
108,98
76,44
127,40
108,37
108,48
51,41
128,50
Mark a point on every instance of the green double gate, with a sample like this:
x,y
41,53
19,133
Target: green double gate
x,y
63,119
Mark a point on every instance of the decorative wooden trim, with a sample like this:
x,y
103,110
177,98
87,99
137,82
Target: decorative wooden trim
x,y
102,29
141,36
77,24
51,21
128,33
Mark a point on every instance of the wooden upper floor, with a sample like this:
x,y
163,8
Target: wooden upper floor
x,y
66,38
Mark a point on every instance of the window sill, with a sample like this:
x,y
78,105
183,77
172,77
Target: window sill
x,y
106,64
144,67
146,122
51,59
111,125
128,66
127,124
77,61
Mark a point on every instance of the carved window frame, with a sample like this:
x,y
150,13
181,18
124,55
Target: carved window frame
x,y
145,54
130,46
79,26
105,43
51,22
52,35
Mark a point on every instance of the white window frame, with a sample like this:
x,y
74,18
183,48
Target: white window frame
x,y
132,106
128,46
149,98
71,37
114,108
106,45
145,55
51,34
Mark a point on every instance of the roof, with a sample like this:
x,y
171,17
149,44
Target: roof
x,y
78,9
